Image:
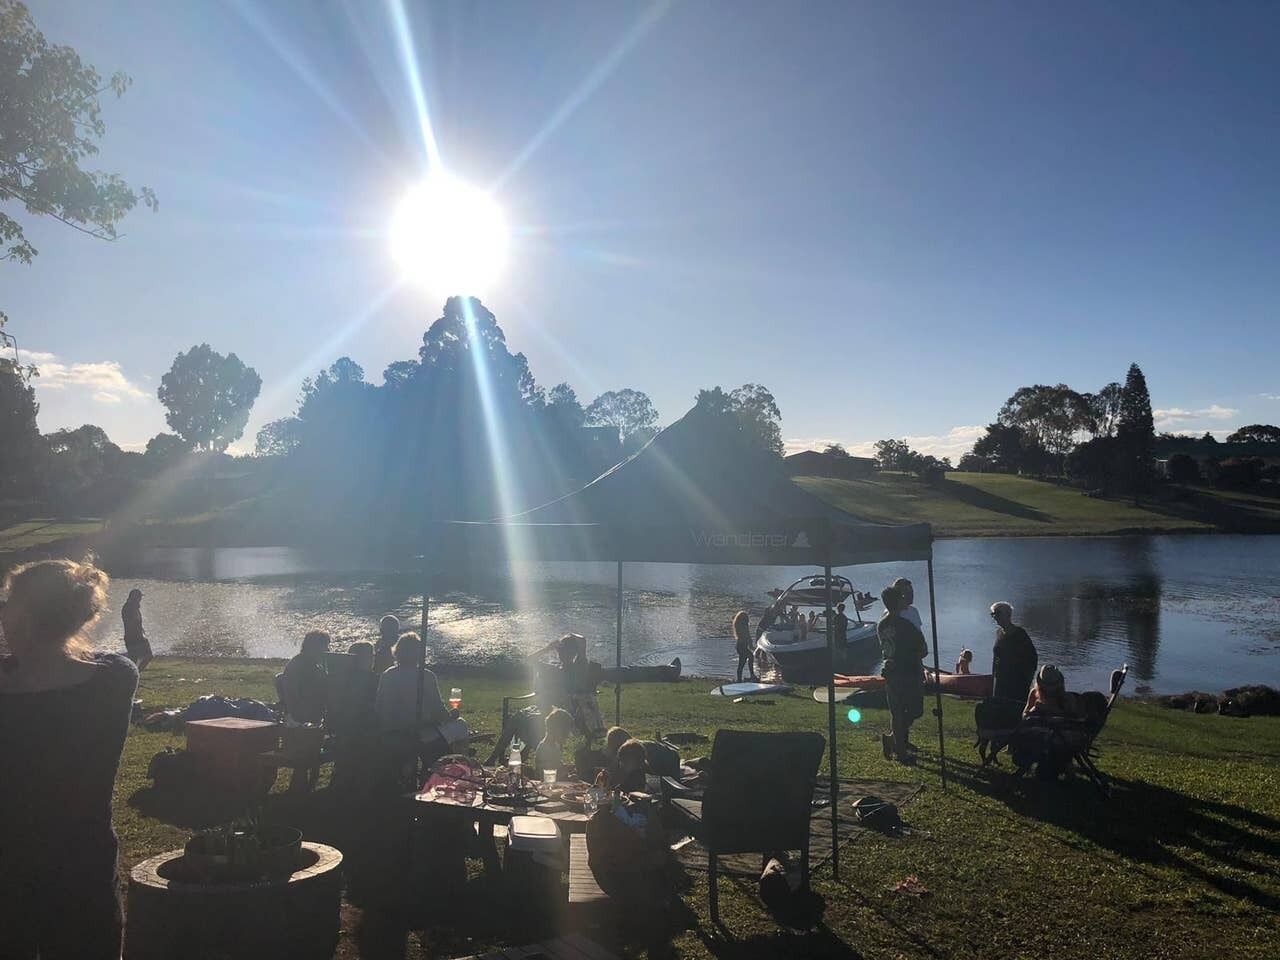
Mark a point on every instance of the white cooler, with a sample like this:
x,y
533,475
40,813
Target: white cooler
x,y
535,860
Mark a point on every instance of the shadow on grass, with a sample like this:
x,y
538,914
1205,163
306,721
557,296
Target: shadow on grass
x,y
976,497
1225,846
819,942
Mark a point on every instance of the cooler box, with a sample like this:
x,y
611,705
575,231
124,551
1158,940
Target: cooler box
x,y
228,748
535,861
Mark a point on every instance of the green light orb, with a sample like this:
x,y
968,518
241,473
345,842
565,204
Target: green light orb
x,y
855,715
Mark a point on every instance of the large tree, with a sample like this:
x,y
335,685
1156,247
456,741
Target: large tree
x,y
20,446
1256,433
629,411
1049,416
1007,449
1136,433
1104,409
50,122
752,409
207,397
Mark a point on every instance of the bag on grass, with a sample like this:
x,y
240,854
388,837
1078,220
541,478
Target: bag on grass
x,y
879,815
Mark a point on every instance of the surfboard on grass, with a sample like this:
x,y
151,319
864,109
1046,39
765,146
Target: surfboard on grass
x,y
746,689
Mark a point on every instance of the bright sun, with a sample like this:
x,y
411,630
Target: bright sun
x,y
449,236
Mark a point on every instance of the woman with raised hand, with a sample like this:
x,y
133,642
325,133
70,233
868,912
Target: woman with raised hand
x,y
64,716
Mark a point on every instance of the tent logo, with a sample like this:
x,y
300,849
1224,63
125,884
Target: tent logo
x,y
801,541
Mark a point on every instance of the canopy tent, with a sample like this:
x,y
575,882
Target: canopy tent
x,y
696,493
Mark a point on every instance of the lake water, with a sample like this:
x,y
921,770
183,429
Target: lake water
x,y
1183,612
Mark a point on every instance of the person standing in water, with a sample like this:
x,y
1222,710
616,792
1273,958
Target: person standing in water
x,y
742,642
137,646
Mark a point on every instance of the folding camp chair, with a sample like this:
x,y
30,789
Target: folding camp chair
x,y
759,799
1071,740
549,693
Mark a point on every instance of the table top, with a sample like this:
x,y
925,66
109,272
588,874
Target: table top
x,y
570,819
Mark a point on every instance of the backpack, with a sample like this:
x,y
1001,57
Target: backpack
x,y
879,815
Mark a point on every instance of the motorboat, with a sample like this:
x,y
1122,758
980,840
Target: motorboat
x,y
809,660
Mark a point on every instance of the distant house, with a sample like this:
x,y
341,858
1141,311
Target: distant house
x,y
811,463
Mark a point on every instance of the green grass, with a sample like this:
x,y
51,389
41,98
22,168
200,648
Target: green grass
x,y
1183,861
44,531
975,504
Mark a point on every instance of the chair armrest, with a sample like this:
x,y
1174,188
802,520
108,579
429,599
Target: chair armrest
x,y
507,701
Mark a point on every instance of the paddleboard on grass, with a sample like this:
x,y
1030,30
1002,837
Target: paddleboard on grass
x,y
843,694
748,689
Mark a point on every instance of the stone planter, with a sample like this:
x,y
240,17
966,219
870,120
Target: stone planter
x,y
294,915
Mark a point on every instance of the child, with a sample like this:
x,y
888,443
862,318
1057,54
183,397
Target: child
x,y
550,752
628,774
962,665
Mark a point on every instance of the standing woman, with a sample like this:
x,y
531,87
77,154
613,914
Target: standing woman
x,y
137,646
64,715
742,642
904,648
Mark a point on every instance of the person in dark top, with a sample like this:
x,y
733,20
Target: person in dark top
x,y
742,643
388,633
841,626
137,646
903,647
1013,659
64,716
306,684
768,618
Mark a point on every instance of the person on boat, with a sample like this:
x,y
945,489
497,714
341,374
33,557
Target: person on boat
x,y
908,593
771,615
793,616
841,626
903,647
64,717
137,646
1013,658
801,626
388,634
742,643
964,662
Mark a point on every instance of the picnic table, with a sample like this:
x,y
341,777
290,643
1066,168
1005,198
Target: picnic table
x,y
471,805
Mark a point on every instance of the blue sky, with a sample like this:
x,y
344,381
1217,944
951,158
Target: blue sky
x,y
891,214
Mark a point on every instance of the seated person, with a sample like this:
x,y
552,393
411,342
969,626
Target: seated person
x,y
550,752
351,709
1048,696
628,771
305,682
965,661
660,759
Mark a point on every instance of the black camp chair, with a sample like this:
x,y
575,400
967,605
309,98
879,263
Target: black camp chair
x,y
550,693
1071,740
759,799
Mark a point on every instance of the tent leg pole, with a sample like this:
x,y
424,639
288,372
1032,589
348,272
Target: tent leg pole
x,y
831,734
617,689
422,666
937,687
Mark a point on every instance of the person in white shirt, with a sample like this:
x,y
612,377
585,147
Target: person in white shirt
x,y
396,702
909,612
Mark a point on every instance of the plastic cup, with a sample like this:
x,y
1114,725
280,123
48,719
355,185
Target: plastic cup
x,y
455,698
549,776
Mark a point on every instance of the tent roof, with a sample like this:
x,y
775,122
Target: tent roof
x,y
694,494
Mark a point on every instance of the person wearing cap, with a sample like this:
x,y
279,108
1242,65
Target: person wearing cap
x,y
903,647
908,593
1013,658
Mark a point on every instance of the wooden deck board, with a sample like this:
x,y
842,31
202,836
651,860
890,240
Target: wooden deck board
x,y
583,889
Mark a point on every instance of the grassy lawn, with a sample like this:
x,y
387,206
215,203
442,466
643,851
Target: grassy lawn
x,y
976,504
39,532
1183,861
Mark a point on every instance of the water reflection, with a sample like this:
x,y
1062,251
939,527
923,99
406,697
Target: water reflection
x,y
1089,604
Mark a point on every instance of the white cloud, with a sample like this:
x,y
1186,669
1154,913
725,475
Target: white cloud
x,y
1167,418
104,378
1270,396
955,443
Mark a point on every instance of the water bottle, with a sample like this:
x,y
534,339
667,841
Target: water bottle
x,y
514,763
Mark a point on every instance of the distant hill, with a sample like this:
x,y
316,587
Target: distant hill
x,y
991,505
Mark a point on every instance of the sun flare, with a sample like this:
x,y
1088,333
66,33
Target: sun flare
x,y
449,236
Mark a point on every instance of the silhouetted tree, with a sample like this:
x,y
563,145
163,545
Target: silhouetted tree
x,y
208,396
563,407
630,411
1095,463
278,438
974,463
1050,417
50,123
164,449
1184,469
893,455
1104,409
752,410
20,445
84,470
1008,449
1135,430
1256,433
1208,438
835,450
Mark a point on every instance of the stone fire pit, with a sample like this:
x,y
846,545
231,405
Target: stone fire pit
x,y
290,915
